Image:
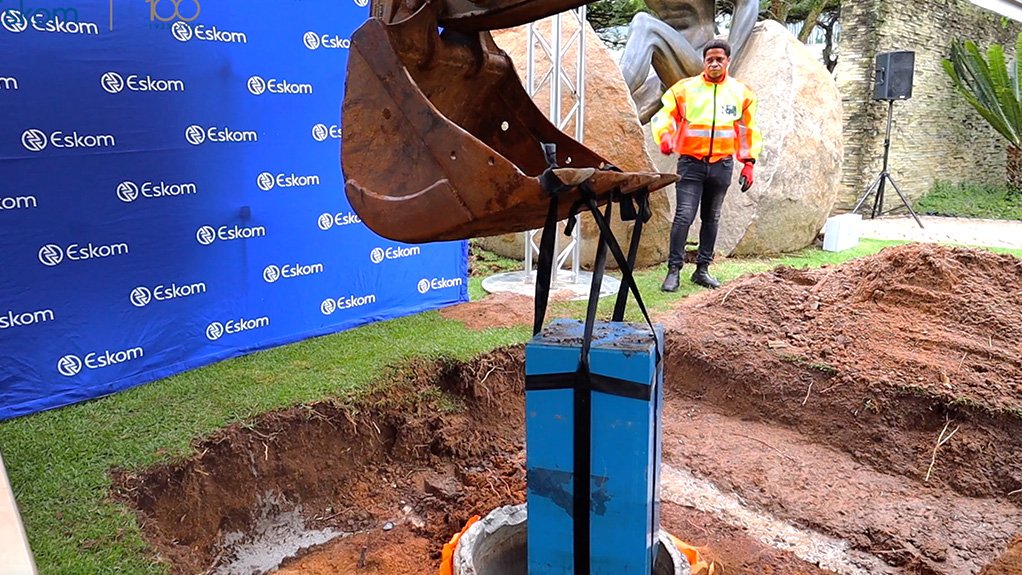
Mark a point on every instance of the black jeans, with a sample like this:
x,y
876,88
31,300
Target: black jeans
x,y
701,183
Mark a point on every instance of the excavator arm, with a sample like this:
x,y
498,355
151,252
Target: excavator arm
x,y
441,140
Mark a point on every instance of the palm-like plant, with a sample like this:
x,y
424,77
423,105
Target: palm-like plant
x,y
991,85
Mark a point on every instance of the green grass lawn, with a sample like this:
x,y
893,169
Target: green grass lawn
x,y
971,201
58,460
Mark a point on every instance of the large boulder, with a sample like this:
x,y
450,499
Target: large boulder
x,y
611,129
798,176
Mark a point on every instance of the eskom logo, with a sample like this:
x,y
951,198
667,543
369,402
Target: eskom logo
x,y
258,86
426,285
183,32
327,221
206,235
273,273
128,192
18,203
34,140
114,83
52,254
197,135
71,365
50,21
380,254
10,84
37,140
267,181
14,21
143,296
314,41
322,132
329,305
217,330
12,319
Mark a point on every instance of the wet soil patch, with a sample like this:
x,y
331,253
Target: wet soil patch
x,y
821,502
730,549
818,378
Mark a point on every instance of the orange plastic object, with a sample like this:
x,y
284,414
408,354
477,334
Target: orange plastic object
x,y
447,557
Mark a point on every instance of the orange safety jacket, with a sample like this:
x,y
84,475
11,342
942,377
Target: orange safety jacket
x,y
709,120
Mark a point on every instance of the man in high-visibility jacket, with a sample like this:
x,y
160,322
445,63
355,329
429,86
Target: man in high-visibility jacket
x,y
708,120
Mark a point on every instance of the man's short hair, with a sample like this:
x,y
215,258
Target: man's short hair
x,y
718,43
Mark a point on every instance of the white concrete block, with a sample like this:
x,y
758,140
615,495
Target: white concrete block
x,y
842,232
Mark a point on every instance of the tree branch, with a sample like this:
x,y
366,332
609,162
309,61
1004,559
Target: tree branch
x,y
812,17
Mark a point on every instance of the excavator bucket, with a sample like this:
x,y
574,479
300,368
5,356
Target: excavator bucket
x,y
441,140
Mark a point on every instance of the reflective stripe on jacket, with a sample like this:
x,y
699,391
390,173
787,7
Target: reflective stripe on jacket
x,y
707,119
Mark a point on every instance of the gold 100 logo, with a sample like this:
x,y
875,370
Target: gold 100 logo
x,y
171,10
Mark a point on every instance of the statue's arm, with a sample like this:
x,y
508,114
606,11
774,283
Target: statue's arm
x,y
647,98
654,42
742,21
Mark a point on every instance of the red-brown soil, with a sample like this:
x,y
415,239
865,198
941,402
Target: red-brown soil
x,y
814,399
1010,563
895,346
496,310
398,552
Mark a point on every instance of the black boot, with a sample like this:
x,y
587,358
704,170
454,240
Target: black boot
x,y
671,281
702,277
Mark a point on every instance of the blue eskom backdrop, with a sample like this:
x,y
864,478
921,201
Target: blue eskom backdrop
x,y
172,194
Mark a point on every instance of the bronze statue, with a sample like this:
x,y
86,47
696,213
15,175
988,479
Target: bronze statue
x,y
673,42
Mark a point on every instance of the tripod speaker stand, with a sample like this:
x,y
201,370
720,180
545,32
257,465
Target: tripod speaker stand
x,y
893,81
879,184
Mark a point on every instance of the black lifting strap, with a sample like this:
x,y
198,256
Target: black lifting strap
x,y
624,264
554,187
583,382
640,216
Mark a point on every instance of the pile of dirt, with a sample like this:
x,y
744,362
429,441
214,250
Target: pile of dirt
x,y
493,311
918,338
501,309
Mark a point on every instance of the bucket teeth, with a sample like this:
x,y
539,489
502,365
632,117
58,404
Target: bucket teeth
x,y
573,176
599,182
602,181
629,182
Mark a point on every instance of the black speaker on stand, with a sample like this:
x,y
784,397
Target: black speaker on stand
x,y
892,81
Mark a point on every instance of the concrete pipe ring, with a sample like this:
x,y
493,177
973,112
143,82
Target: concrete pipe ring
x,y
497,545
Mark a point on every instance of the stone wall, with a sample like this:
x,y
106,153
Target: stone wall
x,y
936,135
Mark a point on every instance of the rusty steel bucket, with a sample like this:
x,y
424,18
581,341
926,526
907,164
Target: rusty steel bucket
x,y
441,140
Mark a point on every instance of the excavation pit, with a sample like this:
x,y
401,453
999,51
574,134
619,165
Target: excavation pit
x,y
805,421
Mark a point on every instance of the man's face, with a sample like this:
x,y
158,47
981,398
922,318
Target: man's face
x,y
715,63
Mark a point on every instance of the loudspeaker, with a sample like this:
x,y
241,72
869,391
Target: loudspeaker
x,y
893,77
